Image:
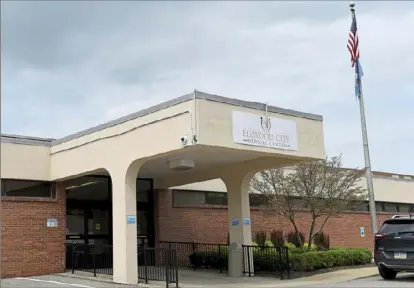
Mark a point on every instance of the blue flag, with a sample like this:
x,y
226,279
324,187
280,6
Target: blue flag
x,y
358,76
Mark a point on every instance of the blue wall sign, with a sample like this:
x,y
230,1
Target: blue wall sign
x,y
246,221
234,222
131,219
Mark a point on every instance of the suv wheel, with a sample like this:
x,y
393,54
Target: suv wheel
x,y
387,274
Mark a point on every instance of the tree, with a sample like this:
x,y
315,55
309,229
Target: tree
x,y
322,188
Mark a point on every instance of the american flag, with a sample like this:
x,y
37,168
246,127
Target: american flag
x,y
353,41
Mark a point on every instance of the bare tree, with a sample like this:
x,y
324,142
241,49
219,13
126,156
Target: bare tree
x,y
322,188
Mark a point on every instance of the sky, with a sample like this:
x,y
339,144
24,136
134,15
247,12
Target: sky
x,y
67,66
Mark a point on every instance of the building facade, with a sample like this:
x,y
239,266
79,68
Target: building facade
x,y
123,180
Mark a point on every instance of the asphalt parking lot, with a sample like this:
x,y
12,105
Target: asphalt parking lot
x,y
54,281
403,280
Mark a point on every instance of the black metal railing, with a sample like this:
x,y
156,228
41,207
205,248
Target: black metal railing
x,y
157,264
266,261
199,255
96,259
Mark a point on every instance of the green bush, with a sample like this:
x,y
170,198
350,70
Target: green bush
x,y
268,259
313,247
294,238
326,259
290,246
269,243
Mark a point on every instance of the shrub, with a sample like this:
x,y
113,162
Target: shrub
x,y
295,250
276,236
268,259
291,246
313,247
269,243
295,239
260,238
326,259
322,241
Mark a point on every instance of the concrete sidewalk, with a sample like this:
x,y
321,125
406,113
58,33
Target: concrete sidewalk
x,y
204,279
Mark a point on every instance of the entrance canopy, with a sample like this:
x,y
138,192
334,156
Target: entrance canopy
x,y
189,134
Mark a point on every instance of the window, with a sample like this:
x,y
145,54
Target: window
x,y
216,198
404,208
27,188
361,206
397,226
188,197
379,206
256,200
390,207
144,187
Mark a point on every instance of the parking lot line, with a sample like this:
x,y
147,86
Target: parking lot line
x,y
55,282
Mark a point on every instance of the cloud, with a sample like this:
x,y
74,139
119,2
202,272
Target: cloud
x,y
67,66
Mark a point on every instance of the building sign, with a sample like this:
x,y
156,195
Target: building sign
x,y
235,222
52,222
255,130
131,219
362,231
246,221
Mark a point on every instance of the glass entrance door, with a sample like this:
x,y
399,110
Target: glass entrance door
x,y
145,212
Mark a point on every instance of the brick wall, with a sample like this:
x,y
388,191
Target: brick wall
x,y
209,224
28,246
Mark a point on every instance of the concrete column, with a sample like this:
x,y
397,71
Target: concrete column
x,y
239,218
124,211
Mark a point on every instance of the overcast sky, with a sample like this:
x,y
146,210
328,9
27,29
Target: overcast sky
x,y
67,66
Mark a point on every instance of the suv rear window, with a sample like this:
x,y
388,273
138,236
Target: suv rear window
x,y
397,226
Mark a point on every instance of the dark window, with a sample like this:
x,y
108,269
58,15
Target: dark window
x,y
26,188
404,208
397,226
379,207
360,206
390,207
216,198
188,197
256,200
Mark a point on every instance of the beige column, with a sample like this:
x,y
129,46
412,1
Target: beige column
x,y
124,211
239,216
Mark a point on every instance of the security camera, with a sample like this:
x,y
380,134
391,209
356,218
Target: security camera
x,y
184,140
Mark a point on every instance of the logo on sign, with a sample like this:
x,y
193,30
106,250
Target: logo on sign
x,y
266,124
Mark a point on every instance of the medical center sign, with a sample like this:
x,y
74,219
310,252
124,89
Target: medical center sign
x,y
256,130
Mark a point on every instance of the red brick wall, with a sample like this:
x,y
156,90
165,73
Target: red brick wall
x,y
209,224
28,246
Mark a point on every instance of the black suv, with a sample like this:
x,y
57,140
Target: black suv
x,y
394,247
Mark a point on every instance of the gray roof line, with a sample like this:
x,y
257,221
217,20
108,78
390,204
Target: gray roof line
x,y
175,101
26,140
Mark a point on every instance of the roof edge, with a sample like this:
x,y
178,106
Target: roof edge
x,y
26,140
187,97
184,98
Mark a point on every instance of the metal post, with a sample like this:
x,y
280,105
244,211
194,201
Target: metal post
x,y
94,265
73,259
145,265
248,259
167,276
194,249
368,173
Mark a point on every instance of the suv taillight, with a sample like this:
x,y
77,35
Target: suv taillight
x,y
379,236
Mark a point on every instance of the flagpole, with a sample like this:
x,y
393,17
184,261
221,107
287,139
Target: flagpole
x,y
368,172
